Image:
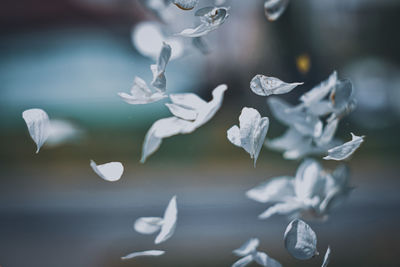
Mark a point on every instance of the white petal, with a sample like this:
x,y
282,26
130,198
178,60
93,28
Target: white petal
x,y
320,91
38,124
326,257
300,240
320,108
201,45
344,151
161,129
169,222
143,253
185,4
159,81
247,248
200,30
328,132
274,190
264,260
141,93
282,209
233,135
243,261
265,86
62,131
289,140
308,181
111,171
148,225
181,112
274,8
188,100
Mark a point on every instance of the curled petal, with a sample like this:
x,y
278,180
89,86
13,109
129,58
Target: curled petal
x,y
265,86
328,132
188,100
284,208
326,257
111,171
247,248
344,151
308,181
148,225
159,80
273,190
274,8
243,261
181,112
185,4
300,240
143,253
38,124
320,91
141,93
169,222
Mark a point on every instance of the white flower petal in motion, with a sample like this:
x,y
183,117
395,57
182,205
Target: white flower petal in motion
x,y
63,131
308,180
243,261
143,253
188,100
344,151
181,112
300,240
185,4
111,171
148,225
320,91
158,69
326,257
38,124
201,45
264,86
169,222
274,190
283,208
264,260
141,93
247,248
274,8
251,132
328,132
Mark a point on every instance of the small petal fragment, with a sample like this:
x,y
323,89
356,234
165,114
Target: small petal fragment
x,y
300,240
274,8
185,4
169,222
141,93
344,151
111,171
148,225
159,81
264,86
38,124
326,257
247,248
143,253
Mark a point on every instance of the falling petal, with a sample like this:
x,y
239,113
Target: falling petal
x,y
252,132
201,45
243,261
188,100
320,91
273,190
326,257
181,112
283,208
344,151
264,260
274,8
300,240
328,132
143,253
289,140
264,86
38,124
141,93
247,248
111,171
159,80
320,108
63,131
185,4
308,181
148,225
169,222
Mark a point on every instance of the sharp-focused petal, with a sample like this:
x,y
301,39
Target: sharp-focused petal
x,y
320,91
38,124
143,253
185,4
247,248
148,225
308,181
326,257
169,222
181,112
111,171
300,240
243,261
274,8
159,81
233,135
273,190
344,151
284,208
265,86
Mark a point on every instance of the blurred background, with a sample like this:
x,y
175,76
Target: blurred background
x,y
72,57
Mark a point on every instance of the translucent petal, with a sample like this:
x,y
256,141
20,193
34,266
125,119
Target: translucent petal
x,y
300,240
264,260
320,91
285,208
328,132
141,93
309,181
38,124
344,151
181,112
274,190
342,94
143,253
274,8
247,248
169,222
320,108
63,131
289,140
148,225
265,86
243,261
111,171
326,257
159,80
185,4
201,45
